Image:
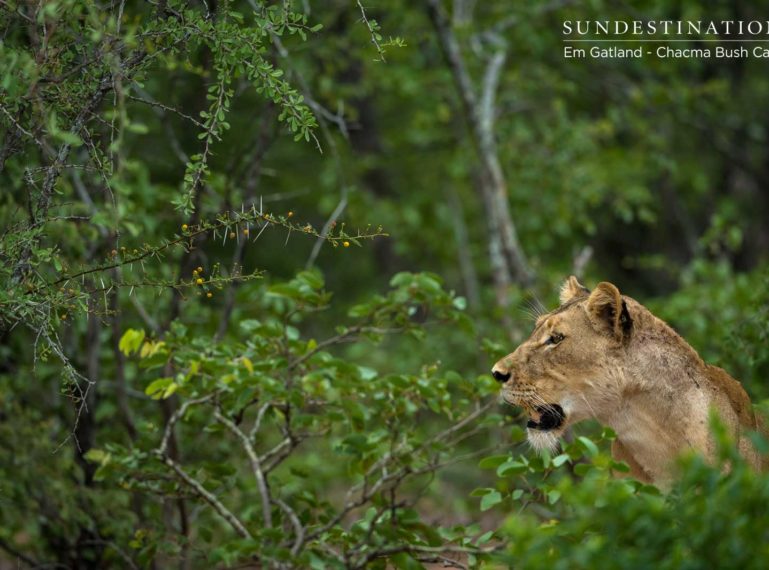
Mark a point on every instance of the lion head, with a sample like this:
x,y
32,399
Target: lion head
x,y
567,370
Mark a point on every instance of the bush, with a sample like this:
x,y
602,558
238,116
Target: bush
x,y
714,516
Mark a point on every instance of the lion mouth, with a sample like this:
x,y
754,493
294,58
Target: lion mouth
x,y
545,418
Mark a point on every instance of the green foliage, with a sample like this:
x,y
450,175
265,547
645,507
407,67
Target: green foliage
x,y
725,316
713,516
198,369
298,412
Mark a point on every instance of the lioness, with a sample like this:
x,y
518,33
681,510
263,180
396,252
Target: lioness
x,y
604,355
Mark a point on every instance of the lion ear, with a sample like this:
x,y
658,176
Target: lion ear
x,y
571,289
608,311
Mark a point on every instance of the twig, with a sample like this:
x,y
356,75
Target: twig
x,y
223,511
256,466
352,331
13,551
277,454
19,127
258,422
210,498
340,207
177,415
368,491
296,523
415,548
371,31
152,103
122,553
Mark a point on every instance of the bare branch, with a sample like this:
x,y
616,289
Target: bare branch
x,y
122,553
20,556
200,490
19,127
416,548
148,100
367,491
209,497
177,415
258,422
256,466
296,523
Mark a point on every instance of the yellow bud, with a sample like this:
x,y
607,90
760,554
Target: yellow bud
x,y
209,294
245,232
184,227
346,243
199,281
290,214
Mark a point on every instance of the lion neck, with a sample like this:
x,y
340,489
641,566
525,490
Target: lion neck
x,y
659,409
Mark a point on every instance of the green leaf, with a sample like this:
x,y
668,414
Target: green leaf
x,y
493,461
650,490
405,561
484,538
169,391
620,466
560,460
511,467
155,387
582,469
590,447
97,456
131,341
490,499
608,434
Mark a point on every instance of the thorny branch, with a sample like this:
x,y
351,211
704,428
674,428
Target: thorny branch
x,y
224,223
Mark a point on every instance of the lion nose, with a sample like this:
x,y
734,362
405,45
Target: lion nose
x,y
500,376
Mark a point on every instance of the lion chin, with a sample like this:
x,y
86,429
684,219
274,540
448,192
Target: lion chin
x,y
543,440
544,427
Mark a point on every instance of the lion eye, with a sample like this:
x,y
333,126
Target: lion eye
x,y
554,338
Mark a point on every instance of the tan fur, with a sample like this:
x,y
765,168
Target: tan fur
x,y
623,366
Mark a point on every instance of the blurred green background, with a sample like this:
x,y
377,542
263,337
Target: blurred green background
x,y
495,167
